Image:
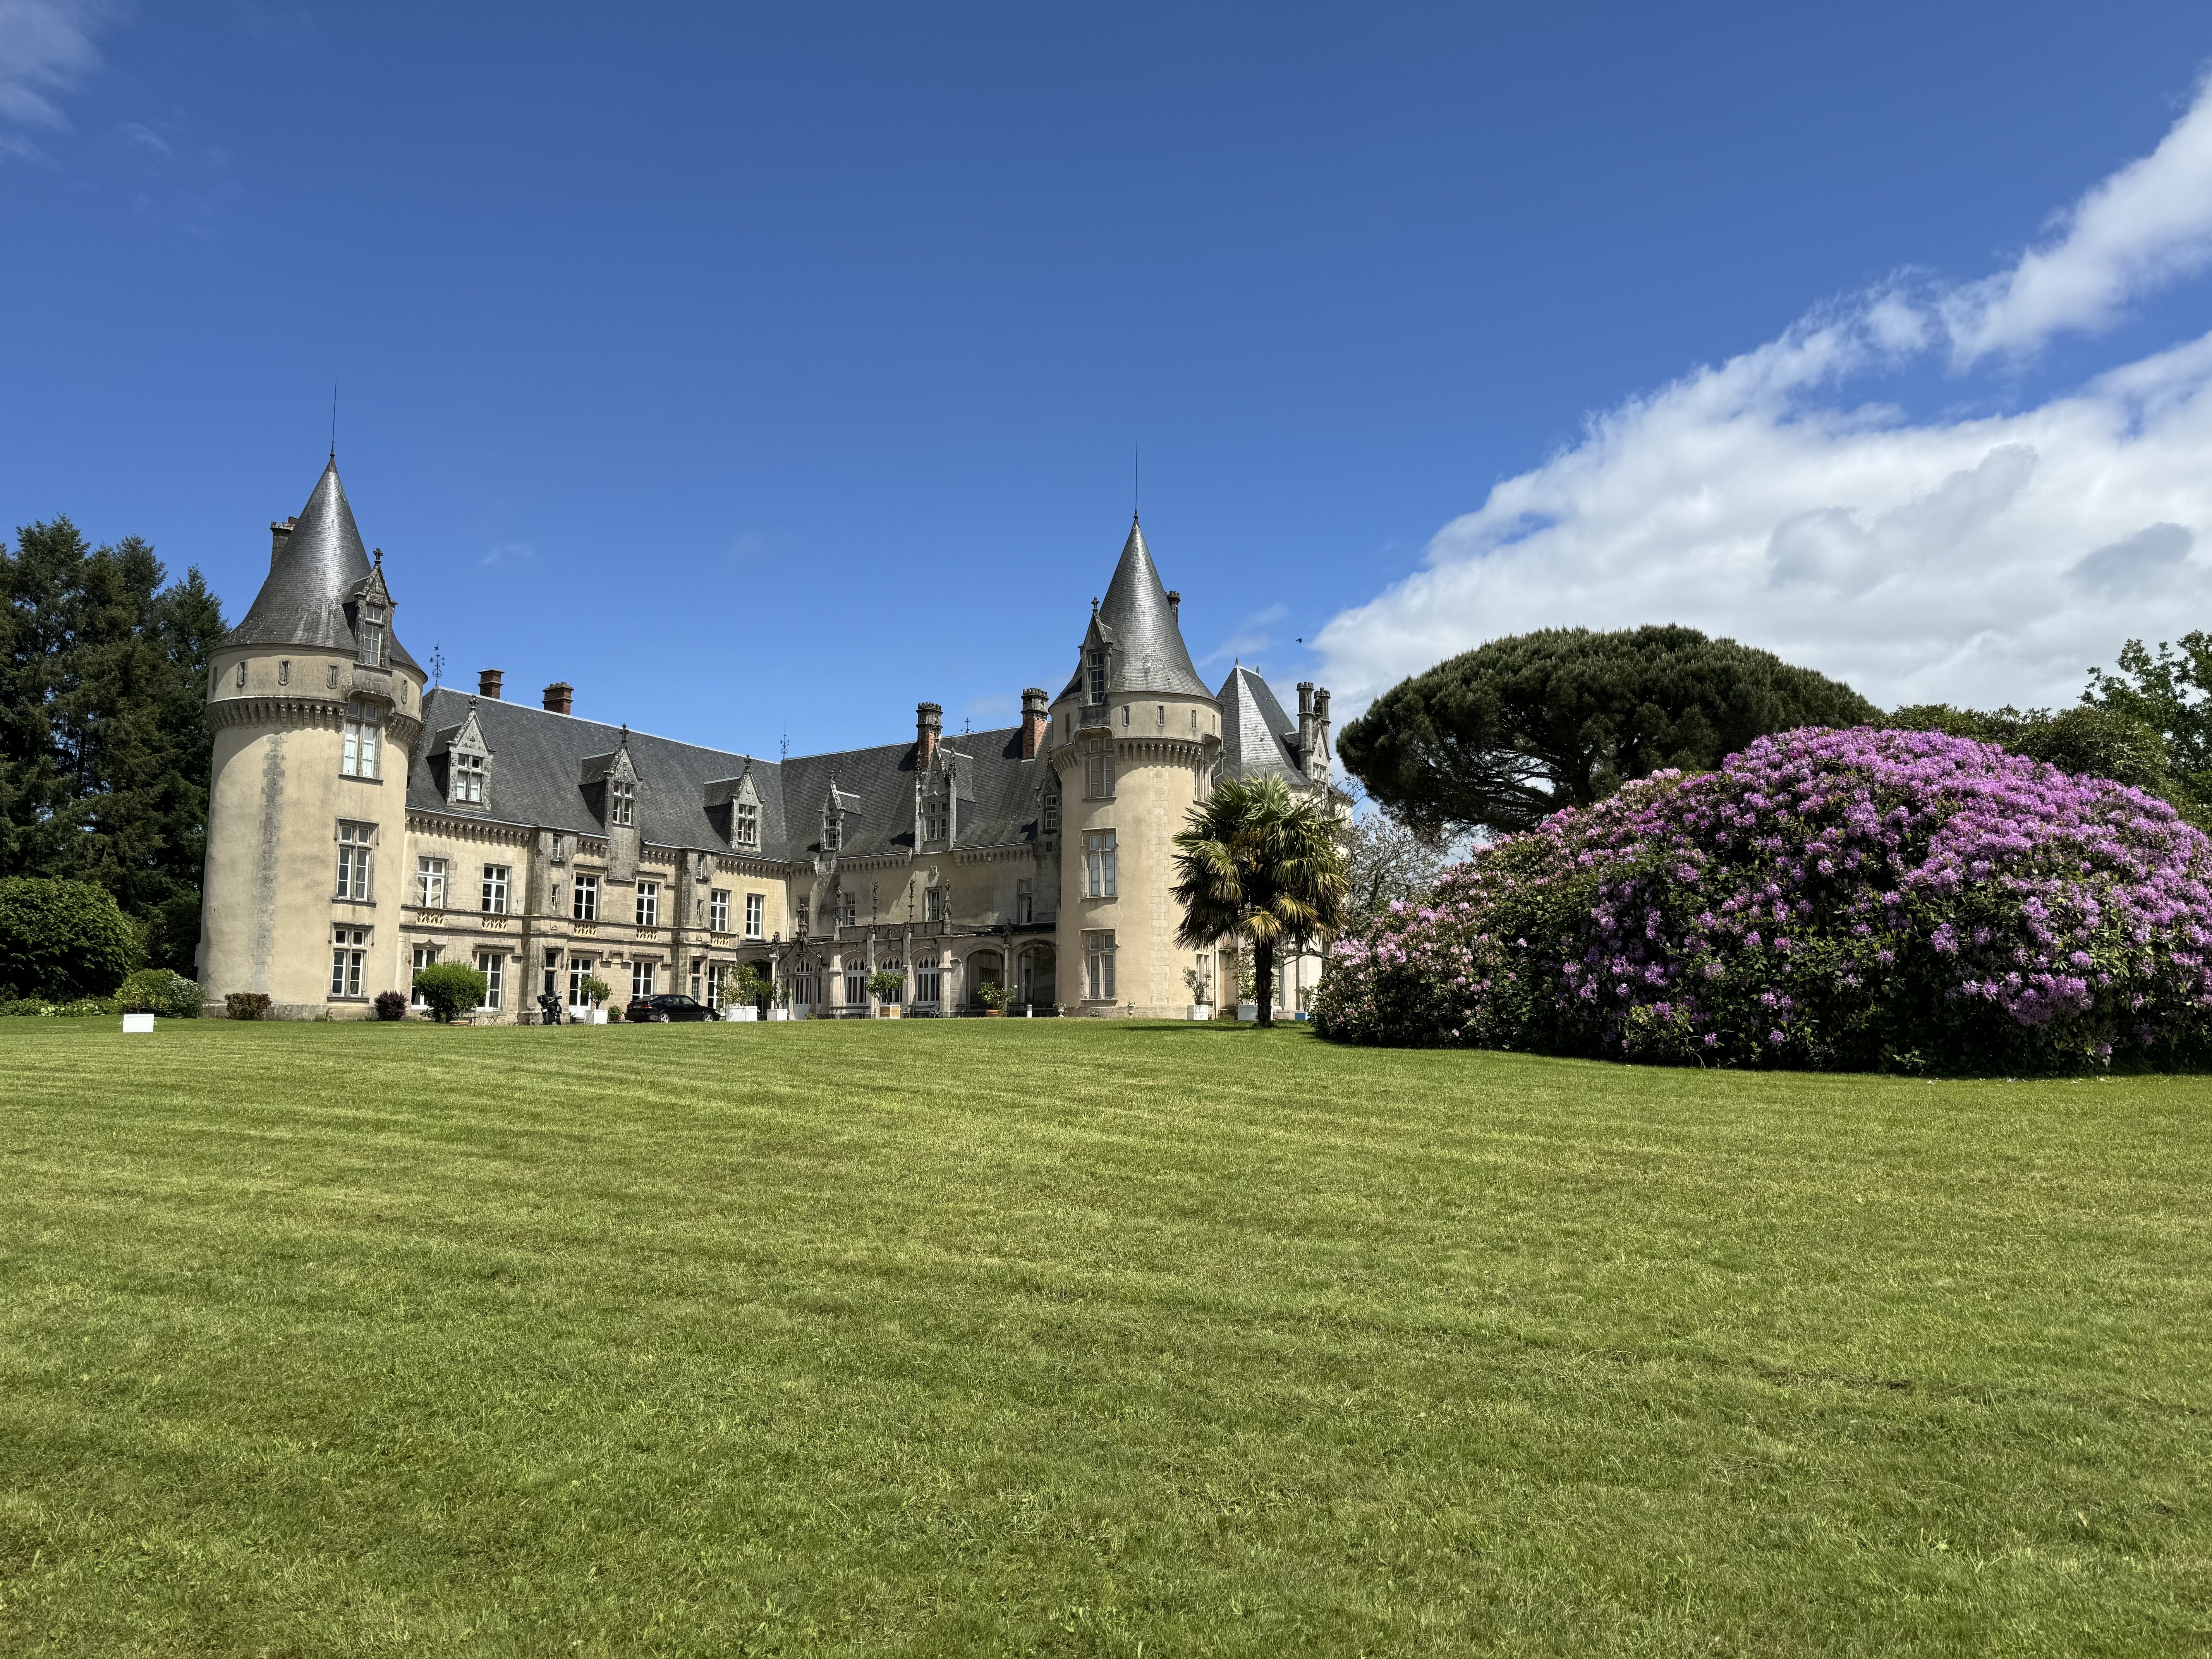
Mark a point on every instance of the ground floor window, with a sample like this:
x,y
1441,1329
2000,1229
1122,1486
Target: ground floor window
x,y
552,981
641,978
805,985
349,949
1098,966
928,983
426,956
698,979
856,985
579,969
492,965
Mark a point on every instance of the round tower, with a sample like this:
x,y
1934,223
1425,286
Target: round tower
x,y
1134,740
317,708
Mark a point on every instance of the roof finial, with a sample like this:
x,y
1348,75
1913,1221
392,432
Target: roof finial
x,y
334,420
1136,484
380,558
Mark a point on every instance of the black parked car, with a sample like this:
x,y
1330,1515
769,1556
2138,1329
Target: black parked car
x,y
665,1007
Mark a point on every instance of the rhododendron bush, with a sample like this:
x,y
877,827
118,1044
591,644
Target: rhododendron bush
x,y
1855,899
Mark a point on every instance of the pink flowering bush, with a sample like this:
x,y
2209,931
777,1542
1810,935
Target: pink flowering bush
x,y
1854,899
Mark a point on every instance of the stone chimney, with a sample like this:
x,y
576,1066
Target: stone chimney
x,y
1320,733
1306,725
1175,604
280,532
560,697
1034,721
488,681
928,724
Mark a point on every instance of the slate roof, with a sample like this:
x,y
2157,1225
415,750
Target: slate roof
x,y
537,779
322,565
1257,737
1148,654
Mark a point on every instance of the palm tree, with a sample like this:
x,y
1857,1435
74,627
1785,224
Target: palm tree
x,y
1260,861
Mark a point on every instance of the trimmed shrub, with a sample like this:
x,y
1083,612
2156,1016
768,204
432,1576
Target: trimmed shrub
x,y
160,990
1855,899
452,989
64,940
390,1004
247,1004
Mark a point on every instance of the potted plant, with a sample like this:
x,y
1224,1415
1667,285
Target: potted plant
x,y
1247,988
778,1006
1201,993
992,996
887,986
595,991
741,994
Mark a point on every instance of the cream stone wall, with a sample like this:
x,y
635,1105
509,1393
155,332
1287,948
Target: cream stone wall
x,y
276,800
1165,749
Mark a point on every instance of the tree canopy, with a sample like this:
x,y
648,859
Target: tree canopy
x,y
2172,693
1261,862
1499,738
60,940
104,743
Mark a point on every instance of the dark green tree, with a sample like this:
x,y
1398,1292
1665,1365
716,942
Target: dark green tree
x,y
2172,693
62,940
1260,862
104,743
1502,736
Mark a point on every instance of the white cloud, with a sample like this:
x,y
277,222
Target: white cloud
x,y
508,553
1986,560
2145,226
45,49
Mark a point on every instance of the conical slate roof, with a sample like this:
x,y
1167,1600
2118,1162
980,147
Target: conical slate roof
x,y
1148,652
322,565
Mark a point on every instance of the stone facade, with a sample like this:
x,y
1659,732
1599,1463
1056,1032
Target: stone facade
x,y
362,822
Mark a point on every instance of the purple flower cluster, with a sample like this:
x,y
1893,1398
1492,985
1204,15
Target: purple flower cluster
x,y
1856,898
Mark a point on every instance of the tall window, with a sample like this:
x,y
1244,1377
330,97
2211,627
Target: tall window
x,y
932,904
469,779
349,947
1164,717
621,801
1096,664
1025,900
718,910
856,985
585,905
426,956
928,983
1050,825
936,818
551,986
851,903
356,842
372,637
579,969
359,758
1098,966
1098,858
492,965
1098,768
756,914
748,824
641,978
833,830
494,889
698,978
430,883
648,904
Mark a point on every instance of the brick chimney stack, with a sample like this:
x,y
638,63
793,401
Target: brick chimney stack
x,y
560,697
928,725
488,681
1034,721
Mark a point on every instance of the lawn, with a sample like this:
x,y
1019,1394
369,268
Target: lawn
x,y
986,1337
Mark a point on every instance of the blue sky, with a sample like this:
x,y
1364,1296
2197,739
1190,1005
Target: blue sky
x,y
1423,320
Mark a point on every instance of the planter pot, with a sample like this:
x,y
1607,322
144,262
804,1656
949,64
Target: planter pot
x,y
891,1012
995,1013
744,1016
137,1021
599,1016
1248,1010
1201,1011
779,1013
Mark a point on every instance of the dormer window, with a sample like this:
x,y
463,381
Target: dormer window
x,y
372,636
832,826
1095,663
621,801
470,779
745,828
937,819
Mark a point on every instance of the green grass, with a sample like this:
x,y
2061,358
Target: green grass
x,y
1072,1338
